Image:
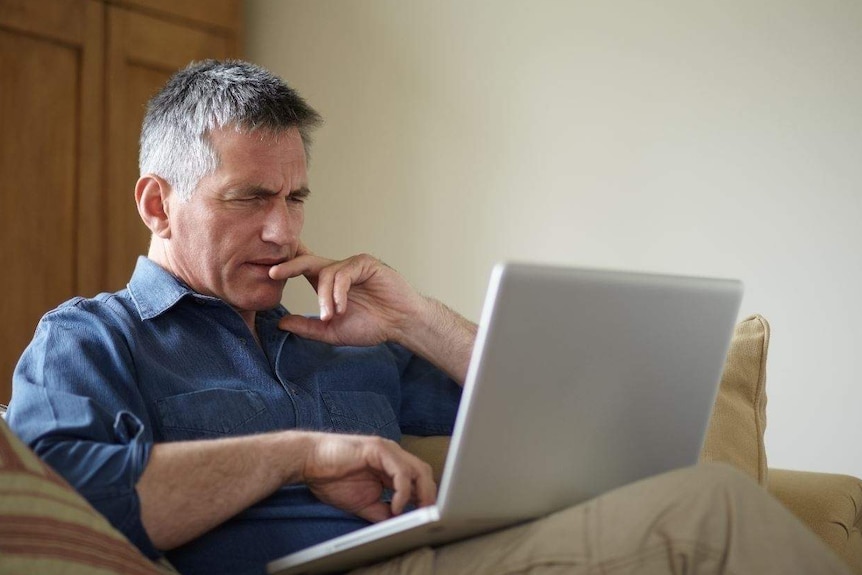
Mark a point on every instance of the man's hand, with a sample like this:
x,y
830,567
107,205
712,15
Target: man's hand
x,y
350,472
362,301
365,302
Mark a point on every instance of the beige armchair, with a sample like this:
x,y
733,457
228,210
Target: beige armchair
x,y
830,504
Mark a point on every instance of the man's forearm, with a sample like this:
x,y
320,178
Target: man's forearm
x,y
190,487
443,337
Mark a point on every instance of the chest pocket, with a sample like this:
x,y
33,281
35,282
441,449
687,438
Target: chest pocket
x,y
212,413
362,412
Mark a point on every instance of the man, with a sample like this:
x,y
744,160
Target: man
x,y
209,424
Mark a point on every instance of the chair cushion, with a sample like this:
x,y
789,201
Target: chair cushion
x,y
735,432
47,527
432,450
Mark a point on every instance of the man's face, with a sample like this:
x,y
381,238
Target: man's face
x,y
242,219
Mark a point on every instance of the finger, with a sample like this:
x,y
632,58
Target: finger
x,y
378,511
343,280
292,268
325,281
354,271
308,265
426,488
403,486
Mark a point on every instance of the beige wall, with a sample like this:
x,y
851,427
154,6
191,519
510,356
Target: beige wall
x,y
714,138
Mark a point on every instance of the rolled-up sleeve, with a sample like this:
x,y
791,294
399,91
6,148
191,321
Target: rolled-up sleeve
x,y
75,402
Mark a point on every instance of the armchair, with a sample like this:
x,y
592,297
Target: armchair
x,y
829,504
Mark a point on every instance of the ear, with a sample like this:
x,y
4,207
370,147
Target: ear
x,y
151,195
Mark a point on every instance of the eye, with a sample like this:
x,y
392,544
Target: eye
x,y
249,201
298,196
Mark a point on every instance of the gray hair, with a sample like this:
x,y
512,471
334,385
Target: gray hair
x,y
207,96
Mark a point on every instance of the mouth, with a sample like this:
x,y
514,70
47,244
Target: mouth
x,y
268,262
263,265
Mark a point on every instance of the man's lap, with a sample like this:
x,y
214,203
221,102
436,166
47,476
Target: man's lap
x,y
704,519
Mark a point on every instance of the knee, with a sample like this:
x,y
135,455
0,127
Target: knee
x,y
704,501
721,479
722,475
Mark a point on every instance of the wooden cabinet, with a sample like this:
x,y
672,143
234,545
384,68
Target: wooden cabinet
x,y
75,76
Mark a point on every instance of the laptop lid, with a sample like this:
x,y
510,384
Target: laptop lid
x,y
581,381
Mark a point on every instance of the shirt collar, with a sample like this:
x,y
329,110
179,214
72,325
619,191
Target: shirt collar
x,y
155,290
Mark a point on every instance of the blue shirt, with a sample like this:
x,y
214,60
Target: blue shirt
x,y
106,378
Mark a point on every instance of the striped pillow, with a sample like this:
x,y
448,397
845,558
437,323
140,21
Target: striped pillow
x,y
47,527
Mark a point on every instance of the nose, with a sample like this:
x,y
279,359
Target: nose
x,y
282,222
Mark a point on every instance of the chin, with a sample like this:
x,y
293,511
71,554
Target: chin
x,y
260,304
261,301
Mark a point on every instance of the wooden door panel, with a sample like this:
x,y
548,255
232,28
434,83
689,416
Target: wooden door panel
x,y
215,13
61,20
70,114
42,66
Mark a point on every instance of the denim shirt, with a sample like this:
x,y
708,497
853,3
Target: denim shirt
x,y
106,378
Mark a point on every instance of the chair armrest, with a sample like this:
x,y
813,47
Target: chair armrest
x,y
830,504
432,450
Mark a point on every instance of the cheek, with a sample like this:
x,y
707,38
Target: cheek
x,y
300,220
209,241
295,219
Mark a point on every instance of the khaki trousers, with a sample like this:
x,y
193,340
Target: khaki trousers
x,y
705,519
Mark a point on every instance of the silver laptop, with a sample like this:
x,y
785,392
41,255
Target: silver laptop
x,y
580,381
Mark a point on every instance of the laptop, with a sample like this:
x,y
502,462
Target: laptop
x,y
581,380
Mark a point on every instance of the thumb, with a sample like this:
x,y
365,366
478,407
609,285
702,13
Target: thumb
x,y
309,328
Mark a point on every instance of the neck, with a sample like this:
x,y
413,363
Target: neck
x,y
158,254
248,317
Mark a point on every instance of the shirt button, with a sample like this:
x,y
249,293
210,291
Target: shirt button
x,y
243,341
